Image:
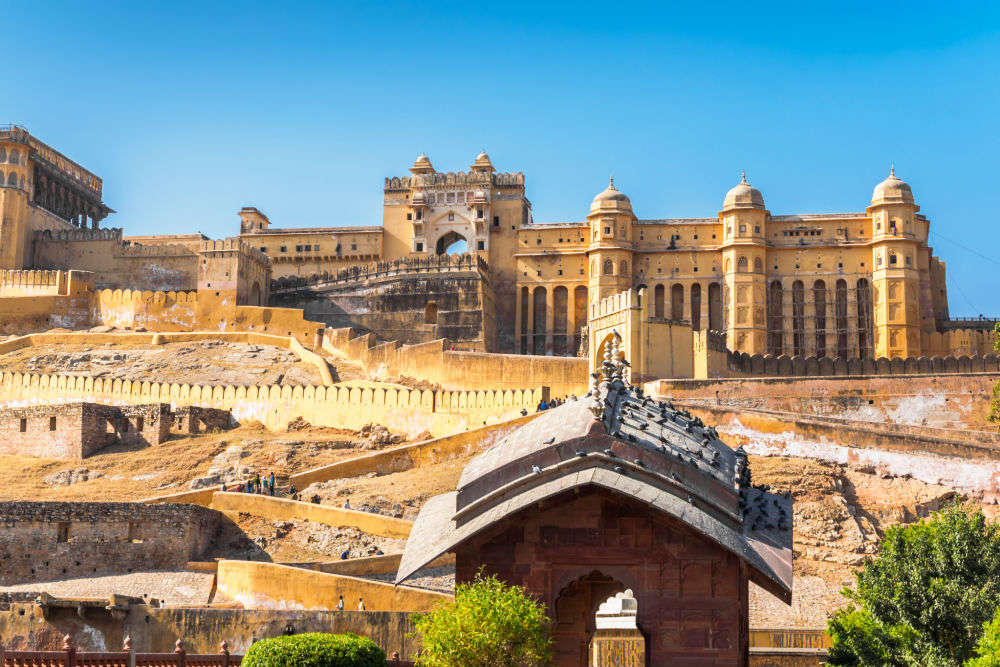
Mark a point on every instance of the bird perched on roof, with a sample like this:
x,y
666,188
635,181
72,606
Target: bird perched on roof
x,y
536,470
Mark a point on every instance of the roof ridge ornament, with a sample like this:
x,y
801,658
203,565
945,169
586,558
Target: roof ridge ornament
x,y
892,170
743,177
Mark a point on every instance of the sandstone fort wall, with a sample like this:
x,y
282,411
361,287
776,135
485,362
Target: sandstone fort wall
x,y
42,541
434,362
258,585
398,408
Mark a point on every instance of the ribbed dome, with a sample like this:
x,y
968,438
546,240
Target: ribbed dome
x,y
743,195
892,191
611,197
422,165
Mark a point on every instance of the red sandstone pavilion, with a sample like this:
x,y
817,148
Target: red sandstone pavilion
x,y
611,492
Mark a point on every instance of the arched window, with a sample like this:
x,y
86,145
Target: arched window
x,y
819,303
677,302
12,179
658,292
758,265
775,318
840,313
866,317
623,268
741,265
14,156
431,313
609,267
892,259
696,307
3,154
798,318
726,265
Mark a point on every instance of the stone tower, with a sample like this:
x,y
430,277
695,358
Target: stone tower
x,y
610,251
895,278
744,219
15,186
253,221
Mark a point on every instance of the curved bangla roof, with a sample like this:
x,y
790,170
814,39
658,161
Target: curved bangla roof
x,y
617,439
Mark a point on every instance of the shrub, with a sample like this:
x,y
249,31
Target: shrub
x,y
315,649
988,649
490,624
925,598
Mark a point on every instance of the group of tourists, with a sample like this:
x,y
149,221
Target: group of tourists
x,y
551,403
256,484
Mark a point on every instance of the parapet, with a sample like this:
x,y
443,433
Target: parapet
x,y
109,234
235,245
403,183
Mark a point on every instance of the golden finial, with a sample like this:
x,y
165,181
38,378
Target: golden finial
x,y
611,183
743,176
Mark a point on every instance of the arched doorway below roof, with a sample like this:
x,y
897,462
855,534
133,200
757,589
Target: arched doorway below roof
x,y
575,610
452,243
255,296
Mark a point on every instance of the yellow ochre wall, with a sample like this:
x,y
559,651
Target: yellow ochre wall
x,y
258,585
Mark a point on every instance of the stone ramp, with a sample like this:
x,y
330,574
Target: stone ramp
x,y
170,587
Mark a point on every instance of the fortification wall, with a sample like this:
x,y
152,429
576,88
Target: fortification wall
x,y
949,401
434,362
40,300
958,342
282,509
409,411
258,585
43,541
741,364
116,264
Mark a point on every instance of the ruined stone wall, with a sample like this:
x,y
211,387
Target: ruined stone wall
x,y
51,431
41,541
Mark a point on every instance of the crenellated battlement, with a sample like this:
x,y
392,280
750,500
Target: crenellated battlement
x,y
235,245
109,234
397,268
616,303
472,178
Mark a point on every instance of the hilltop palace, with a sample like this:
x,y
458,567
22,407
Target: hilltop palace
x,y
860,285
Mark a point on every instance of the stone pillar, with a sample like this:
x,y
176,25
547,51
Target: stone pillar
x,y
571,324
704,304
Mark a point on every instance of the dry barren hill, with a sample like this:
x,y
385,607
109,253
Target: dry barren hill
x,y
200,362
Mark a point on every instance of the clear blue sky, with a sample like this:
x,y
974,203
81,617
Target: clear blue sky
x,y
191,111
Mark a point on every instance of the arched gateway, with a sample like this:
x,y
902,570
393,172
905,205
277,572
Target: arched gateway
x,y
616,491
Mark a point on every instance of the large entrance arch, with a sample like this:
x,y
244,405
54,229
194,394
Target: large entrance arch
x,y
449,242
575,611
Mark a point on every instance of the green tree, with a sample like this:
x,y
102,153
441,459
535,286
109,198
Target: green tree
x,y
925,598
988,649
315,649
490,624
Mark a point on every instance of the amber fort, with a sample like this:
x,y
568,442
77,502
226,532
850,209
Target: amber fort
x,y
681,435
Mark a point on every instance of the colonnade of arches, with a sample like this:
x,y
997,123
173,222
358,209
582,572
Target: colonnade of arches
x,y
549,319
820,320
701,306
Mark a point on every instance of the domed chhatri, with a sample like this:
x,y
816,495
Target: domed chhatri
x,y
892,190
483,163
422,165
743,195
611,197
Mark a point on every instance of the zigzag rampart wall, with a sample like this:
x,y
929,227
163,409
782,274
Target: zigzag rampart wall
x,y
434,362
401,409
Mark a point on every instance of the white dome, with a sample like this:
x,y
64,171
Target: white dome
x,y
743,195
892,191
